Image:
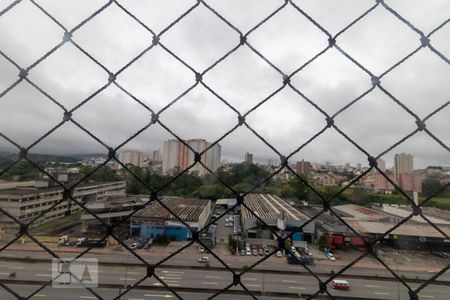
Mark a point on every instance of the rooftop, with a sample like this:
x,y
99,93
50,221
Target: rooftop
x,y
361,213
424,230
33,190
271,207
405,211
188,209
117,203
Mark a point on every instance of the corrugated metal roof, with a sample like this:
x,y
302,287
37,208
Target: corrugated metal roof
x,y
270,207
188,209
424,230
360,212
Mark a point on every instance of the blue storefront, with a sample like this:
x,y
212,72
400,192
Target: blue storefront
x,y
174,231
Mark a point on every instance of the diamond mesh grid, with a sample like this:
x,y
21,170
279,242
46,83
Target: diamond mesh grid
x,y
424,43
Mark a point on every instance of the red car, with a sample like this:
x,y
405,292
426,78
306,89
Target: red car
x,y
340,284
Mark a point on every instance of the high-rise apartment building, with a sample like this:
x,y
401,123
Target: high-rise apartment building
x,y
303,167
248,158
381,165
156,156
403,176
177,156
213,157
132,157
403,164
172,156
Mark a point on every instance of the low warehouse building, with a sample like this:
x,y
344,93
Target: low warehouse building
x,y
423,237
276,213
155,220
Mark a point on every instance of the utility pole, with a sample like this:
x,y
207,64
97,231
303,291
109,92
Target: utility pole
x,y
126,276
397,258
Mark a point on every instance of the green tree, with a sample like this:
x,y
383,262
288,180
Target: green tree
x,y
134,186
360,196
103,174
300,190
243,173
430,186
23,170
322,242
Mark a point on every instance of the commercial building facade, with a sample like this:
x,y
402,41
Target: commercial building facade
x,y
156,220
26,203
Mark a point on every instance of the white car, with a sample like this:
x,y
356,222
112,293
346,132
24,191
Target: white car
x,y
279,254
202,249
331,257
134,246
203,259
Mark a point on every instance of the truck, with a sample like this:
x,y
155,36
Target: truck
x,y
85,242
305,259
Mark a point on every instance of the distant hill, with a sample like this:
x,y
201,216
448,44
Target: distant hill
x,y
6,158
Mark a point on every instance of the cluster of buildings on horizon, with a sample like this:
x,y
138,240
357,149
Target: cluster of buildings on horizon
x,y
177,156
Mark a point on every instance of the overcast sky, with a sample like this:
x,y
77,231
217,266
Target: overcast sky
x,y
288,40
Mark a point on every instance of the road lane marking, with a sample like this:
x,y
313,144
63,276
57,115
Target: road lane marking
x,y
44,275
253,285
5,273
17,268
426,296
208,282
134,273
171,278
214,277
297,288
169,284
379,293
289,281
88,297
154,295
173,272
40,295
128,278
372,286
247,278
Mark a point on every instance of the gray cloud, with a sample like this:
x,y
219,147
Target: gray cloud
x,y
242,79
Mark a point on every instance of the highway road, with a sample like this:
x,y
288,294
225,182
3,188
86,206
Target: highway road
x,y
81,294
216,280
272,263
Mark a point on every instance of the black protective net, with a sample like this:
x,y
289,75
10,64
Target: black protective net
x,y
424,43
